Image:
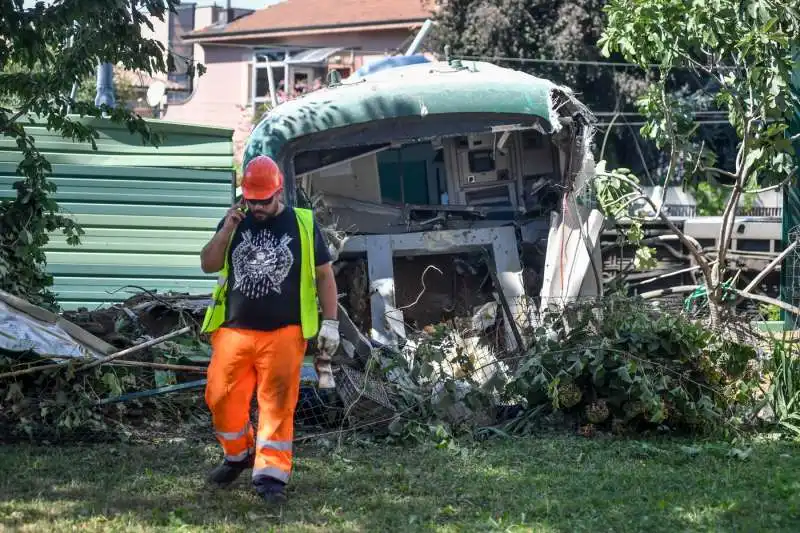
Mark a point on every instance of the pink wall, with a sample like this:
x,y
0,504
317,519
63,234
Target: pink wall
x,y
220,92
221,95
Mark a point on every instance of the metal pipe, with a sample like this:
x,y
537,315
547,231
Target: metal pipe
x,y
271,80
423,32
153,392
105,85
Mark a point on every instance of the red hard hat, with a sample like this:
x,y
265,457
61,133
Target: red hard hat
x,y
262,179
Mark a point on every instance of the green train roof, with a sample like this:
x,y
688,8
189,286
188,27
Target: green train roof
x,y
421,90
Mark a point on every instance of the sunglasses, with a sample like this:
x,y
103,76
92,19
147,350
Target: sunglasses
x,y
266,202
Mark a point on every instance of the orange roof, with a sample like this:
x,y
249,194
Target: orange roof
x,y
309,15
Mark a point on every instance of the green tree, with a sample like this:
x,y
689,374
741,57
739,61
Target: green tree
x,y
557,32
745,48
562,36
43,51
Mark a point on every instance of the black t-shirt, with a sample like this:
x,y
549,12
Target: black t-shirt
x,y
264,272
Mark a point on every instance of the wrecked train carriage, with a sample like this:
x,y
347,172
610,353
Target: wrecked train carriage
x,y
445,158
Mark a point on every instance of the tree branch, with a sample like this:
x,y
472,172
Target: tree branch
x,y
729,215
772,187
694,248
770,267
725,173
673,152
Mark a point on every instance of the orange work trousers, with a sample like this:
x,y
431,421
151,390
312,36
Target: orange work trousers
x,y
269,362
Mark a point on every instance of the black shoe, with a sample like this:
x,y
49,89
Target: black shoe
x,y
271,490
229,471
277,497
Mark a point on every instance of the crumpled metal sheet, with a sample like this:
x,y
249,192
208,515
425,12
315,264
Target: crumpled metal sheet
x,y
25,327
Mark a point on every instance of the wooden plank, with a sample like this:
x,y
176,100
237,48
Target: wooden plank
x,y
129,186
120,234
115,259
123,136
176,197
117,289
160,125
96,283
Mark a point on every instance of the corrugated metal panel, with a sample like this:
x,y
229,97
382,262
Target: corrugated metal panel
x,y
791,206
146,211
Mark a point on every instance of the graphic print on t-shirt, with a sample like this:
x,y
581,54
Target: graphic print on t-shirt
x,y
261,263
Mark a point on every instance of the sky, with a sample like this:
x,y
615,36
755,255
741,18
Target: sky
x,y
250,4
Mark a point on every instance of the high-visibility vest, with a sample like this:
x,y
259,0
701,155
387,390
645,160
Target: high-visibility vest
x,y
309,313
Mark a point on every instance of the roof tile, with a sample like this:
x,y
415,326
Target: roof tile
x,y
300,14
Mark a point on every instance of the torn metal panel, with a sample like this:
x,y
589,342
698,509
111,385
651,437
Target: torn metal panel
x,y
25,327
569,265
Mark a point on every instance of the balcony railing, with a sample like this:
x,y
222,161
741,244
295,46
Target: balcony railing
x,y
688,211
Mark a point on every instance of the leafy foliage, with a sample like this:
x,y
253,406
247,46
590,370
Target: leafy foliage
x,y
616,191
44,50
783,395
60,403
624,365
616,365
516,29
563,34
746,53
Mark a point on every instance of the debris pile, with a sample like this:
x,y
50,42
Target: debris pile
x,y
62,380
600,366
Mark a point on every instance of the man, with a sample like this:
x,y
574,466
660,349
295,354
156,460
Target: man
x,y
273,262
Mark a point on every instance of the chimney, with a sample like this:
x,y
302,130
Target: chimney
x,y
225,15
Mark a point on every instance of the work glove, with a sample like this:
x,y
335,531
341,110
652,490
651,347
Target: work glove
x,y
328,343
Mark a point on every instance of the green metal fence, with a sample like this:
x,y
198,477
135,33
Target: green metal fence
x,y
146,211
790,292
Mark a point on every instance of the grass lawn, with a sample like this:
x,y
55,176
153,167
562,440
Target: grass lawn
x,y
554,484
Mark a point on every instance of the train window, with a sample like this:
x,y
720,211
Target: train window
x,y
753,245
778,245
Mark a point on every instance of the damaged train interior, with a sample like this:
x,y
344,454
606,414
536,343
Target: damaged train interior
x,y
443,188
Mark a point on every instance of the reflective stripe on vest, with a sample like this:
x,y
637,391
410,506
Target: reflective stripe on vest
x,y
309,312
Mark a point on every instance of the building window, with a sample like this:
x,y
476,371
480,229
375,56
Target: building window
x,y
263,60
294,71
262,81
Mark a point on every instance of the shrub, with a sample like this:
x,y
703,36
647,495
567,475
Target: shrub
x,y
625,365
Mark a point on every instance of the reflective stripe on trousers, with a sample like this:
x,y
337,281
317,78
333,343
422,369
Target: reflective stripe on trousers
x,y
280,445
239,457
235,435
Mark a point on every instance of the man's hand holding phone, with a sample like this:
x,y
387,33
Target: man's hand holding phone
x,y
234,216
